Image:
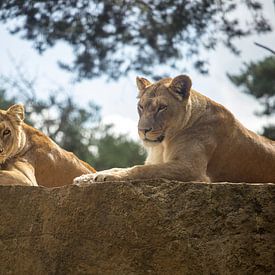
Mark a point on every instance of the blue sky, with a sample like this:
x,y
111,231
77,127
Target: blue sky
x,y
118,99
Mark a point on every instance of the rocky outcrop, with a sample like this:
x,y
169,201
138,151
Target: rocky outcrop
x,y
138,227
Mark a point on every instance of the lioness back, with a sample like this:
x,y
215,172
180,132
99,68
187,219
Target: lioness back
x,y
239,155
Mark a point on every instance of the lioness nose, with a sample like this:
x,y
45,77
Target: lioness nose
x,y
145,130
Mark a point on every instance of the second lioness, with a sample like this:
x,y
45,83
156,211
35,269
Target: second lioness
x,y
28,157
189,137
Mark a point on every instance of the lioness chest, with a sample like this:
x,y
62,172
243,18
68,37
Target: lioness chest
x,y
157,155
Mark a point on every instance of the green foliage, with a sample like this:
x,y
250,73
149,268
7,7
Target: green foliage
x,y
115,37
5,102
258,80
269,131
117,151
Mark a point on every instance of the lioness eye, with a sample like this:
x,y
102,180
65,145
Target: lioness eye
x,y
6,132
162,108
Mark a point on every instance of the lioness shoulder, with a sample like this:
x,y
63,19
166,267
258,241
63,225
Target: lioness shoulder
x,y
189,137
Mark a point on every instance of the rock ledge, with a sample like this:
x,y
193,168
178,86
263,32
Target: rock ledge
x,y
138,227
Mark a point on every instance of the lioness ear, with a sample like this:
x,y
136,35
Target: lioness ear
x,y
17,112
181,85
142,83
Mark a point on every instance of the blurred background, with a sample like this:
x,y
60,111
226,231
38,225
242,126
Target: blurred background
x,y
73,64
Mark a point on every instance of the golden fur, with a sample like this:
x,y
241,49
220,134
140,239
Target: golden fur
x,y
189,137
28,157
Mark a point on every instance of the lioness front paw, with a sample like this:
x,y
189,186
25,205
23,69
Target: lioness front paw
x,y
111,175
115,174
83,180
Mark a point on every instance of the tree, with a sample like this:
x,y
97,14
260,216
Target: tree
x,y
269,132
258,79
116,151
76,129
115,37
5,102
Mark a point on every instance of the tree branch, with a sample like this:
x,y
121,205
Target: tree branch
x,y
264,47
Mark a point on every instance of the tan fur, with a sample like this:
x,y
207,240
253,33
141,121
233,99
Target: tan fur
x,y
193,139
28,157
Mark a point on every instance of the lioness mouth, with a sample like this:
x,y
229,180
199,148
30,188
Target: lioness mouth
x,y
159,139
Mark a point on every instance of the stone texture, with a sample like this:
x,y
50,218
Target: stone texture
x,y
138,227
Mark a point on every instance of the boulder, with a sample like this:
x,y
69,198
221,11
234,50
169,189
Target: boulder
x,y
138,227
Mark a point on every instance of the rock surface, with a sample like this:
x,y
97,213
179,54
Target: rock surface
x,y
138,227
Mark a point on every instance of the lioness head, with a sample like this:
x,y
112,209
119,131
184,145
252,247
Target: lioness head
x,y
162,107
12,137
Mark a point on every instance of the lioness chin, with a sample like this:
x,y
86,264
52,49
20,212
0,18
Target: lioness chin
x,y
28,157
189,137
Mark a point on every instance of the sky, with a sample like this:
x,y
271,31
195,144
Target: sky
x,y
118,98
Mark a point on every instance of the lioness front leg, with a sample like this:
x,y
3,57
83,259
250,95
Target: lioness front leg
x,y
21,173
15,178
171,171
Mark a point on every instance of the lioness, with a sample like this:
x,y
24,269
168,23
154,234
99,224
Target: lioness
x,y
28,157
189,137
